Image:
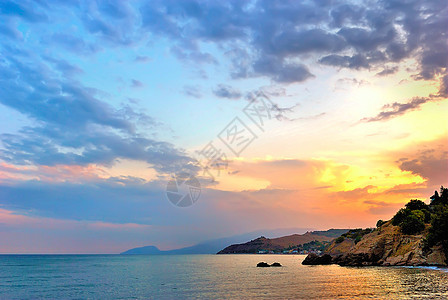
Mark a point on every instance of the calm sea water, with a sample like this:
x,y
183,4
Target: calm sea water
x,y
207,277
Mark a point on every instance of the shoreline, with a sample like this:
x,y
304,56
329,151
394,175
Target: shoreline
x,y
436,268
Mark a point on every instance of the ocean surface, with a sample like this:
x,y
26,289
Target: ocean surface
x,y
208,277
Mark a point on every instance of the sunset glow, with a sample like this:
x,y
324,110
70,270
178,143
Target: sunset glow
x,y
101,105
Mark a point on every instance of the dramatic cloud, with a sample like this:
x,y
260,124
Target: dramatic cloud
x,y
443,90
382,208
73,125
356,37
397,109
275,37
388,71
192,91
226,91
429,161
281,71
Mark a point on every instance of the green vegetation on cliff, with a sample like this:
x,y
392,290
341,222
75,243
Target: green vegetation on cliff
x,y
418,215
438,232
356,234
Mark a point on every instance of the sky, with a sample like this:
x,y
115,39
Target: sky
x,y
290,114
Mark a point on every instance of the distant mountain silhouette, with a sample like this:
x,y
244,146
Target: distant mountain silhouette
x,y
144,250
331,232
282,243
215,245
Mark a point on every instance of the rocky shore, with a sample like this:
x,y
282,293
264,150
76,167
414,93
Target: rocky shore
x,y
383,246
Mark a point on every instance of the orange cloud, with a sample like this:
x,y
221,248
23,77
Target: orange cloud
x,y
293,173
324,193
430,161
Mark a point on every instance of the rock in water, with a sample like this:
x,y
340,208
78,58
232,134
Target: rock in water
x,y
276,264
263,265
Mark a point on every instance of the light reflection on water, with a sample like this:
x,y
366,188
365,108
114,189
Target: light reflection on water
x,y
209,277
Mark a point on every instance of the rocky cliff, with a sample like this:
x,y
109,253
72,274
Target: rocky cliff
x,y
383,246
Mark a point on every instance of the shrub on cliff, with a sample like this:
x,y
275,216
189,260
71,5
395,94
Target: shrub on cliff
x,y
438,233
354,234
358,239
412,221
416,204
380,223
340,240
400,216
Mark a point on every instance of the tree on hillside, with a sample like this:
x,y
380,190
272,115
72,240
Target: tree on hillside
x,y
414,223
441,199
380,223
438,233
412,219
416,204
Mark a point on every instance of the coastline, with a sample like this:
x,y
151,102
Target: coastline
x,y
435,268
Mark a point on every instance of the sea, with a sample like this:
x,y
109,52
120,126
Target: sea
x,y
208,277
